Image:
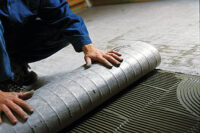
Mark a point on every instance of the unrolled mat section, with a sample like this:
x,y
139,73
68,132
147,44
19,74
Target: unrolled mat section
x,y
65,100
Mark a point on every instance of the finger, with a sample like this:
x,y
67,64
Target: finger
x,y
105,62
88,61
23,104
17,109
115,52
26,95
9,114
116,57
111,59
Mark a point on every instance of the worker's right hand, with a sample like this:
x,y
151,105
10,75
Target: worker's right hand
x,y
14,101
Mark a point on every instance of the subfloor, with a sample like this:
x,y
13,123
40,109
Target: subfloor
x,y
172,26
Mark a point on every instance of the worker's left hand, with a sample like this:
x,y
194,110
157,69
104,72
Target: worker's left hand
x,y
107,58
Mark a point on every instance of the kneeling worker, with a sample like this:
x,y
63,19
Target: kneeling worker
x,y
31,30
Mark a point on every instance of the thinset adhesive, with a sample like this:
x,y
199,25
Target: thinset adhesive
x,y
161,102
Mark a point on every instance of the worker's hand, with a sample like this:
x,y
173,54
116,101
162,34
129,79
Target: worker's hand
x,y
13,101
105,57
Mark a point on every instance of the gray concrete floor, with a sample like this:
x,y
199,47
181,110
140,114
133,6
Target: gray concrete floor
x,y
172,26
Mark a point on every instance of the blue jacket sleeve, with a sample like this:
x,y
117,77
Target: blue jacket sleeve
x,y
58,13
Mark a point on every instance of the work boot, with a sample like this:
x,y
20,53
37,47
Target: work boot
x,y
11,86
22,75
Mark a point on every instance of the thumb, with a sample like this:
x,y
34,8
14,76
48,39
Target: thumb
x,y
26,95
88,61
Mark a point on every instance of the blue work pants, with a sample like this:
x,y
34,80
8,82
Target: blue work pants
x,y
35,43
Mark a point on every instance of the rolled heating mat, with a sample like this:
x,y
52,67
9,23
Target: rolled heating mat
x,y
61,102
